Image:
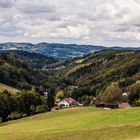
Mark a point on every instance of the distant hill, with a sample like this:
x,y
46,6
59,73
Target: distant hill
x,y
33,60
59,51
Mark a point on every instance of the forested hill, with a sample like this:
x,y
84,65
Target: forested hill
x,y
90,75
59,51
33,60
17,70
55,50
93,73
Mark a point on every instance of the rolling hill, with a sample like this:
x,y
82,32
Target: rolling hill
x,y
33,60
94,72
55,50
76,124
59,51
15,71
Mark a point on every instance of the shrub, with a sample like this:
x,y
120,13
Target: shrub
x,y
41,108
134,92
137,103
14,115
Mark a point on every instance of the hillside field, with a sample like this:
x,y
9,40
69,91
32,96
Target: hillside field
x,y
87,123
10,89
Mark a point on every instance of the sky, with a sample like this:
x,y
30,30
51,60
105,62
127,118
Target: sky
x,y
96,22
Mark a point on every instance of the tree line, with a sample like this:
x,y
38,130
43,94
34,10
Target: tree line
x,y
24,103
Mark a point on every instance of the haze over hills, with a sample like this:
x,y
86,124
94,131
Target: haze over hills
x,y
59,51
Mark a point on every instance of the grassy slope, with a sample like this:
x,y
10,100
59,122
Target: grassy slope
x,y
76,124
5,87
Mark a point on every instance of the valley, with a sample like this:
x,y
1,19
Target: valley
x,y
33,85
69,70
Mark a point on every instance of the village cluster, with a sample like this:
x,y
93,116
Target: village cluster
x,y
70,102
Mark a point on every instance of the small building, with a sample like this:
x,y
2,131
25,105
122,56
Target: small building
x,y
71,101
124,105
125,94
46,93
63,104
67,102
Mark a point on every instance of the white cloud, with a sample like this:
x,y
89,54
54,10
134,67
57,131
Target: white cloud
x,y
111,22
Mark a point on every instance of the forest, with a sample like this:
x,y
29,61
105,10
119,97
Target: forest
x,y
104,75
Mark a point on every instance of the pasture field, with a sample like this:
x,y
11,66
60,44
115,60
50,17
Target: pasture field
x,y
85,123
5,87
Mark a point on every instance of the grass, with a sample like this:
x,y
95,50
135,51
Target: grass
x,y
5,87
76,124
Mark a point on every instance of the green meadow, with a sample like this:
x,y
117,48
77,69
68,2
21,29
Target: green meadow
x,y
10,89
87,123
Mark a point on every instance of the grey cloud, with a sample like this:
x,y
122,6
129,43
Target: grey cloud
x,y
6,3
10,31
137,1
35,11
79,21
122,29
34,7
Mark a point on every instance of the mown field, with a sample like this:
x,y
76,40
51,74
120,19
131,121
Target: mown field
x,y
5,87
76,124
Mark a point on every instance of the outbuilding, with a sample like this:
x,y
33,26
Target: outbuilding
x,y
63,104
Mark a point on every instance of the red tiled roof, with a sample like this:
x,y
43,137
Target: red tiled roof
x,y
70,100
124,105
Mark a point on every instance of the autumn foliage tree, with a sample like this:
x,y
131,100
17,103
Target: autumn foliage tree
x,y
59,94
112,94
134,92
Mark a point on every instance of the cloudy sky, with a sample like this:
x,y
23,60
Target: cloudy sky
x,y
100,22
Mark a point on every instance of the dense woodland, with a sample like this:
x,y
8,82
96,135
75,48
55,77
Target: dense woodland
x,y
16,72
103,75
100,75
93,73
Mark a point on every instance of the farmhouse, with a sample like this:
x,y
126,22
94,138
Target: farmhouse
x,y
71,101
67,102
63,104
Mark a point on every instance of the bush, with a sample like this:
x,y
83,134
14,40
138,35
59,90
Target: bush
x,y
134,92
137,103
14,116
41,108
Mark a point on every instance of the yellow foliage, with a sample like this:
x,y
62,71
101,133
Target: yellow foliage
x,y
59,94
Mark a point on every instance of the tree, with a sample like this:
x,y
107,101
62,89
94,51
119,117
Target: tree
x,y
26,100
59,94
23,85
134,92
137,103
5,104
50,100
112,94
